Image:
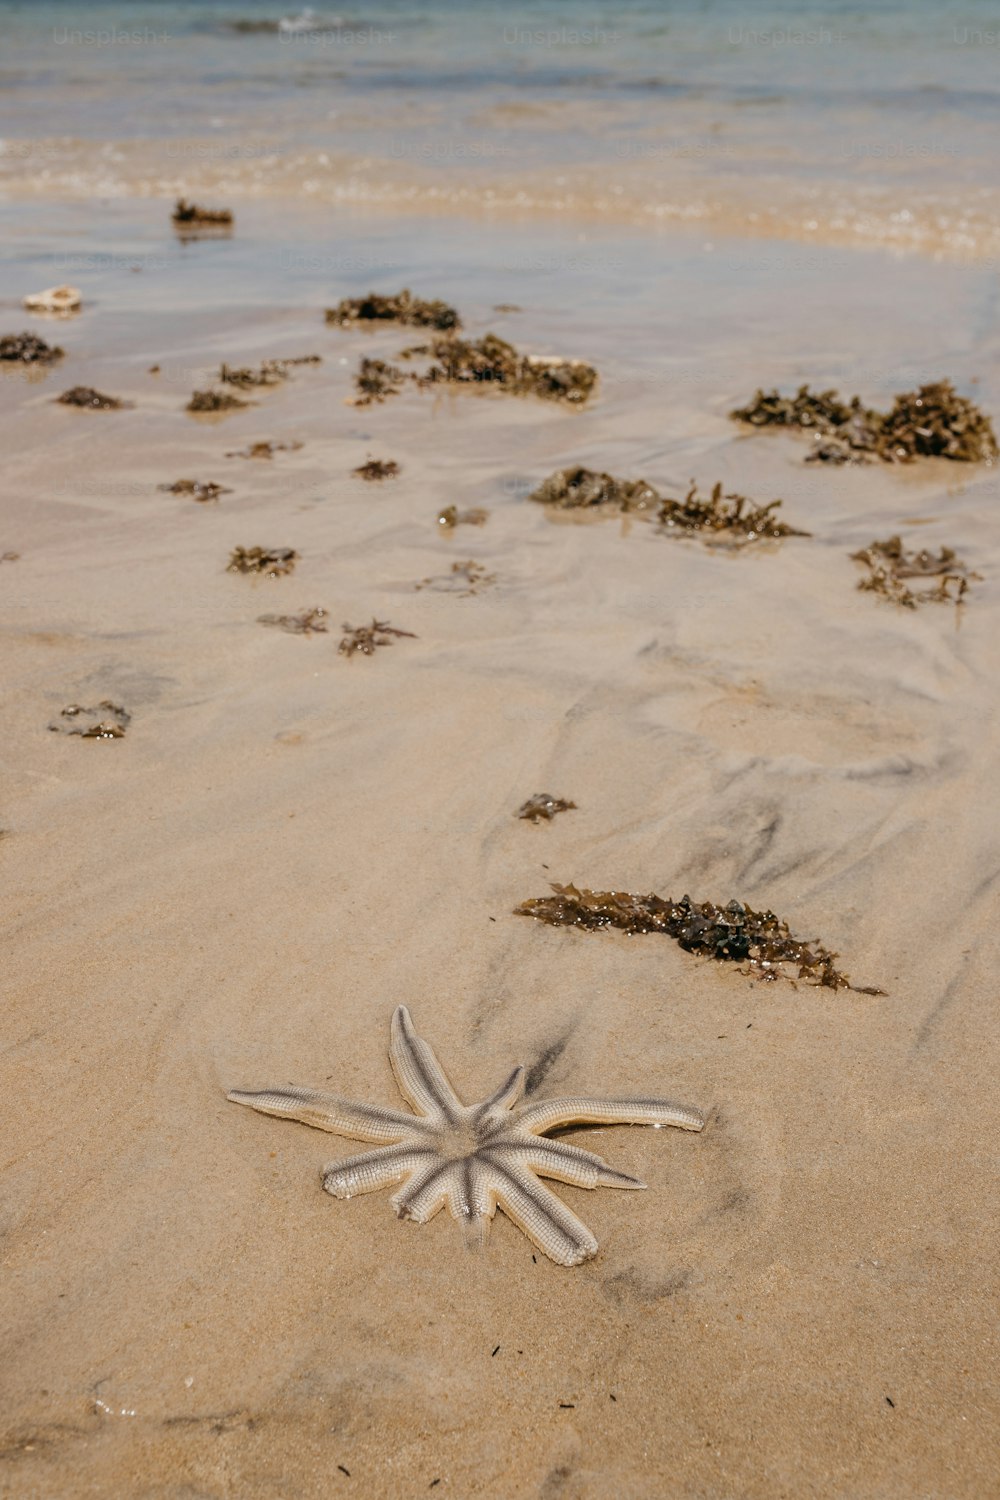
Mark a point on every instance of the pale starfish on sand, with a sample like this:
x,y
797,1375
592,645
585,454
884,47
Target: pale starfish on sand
x,y
473,1158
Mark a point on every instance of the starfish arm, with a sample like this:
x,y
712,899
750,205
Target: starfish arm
x,y
371,1170
539,1214
470,1200
362,1122
419,1075
425,1193
551,1114
566,1163
505,1097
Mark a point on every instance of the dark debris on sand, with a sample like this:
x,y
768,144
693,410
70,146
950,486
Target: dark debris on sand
x,y
270,372
376,380
201,490
375,469
492,361
733,517
366,638
271,562
28,349
543,807
403,307
264,449
892,571
195,216
108,721
90,400
451,516
732,933
306,622
932,422
464,579
215,401
588,489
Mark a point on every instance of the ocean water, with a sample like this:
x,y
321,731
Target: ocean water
x,y
839,123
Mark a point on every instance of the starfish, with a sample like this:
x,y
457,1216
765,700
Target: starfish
x,y
475,1158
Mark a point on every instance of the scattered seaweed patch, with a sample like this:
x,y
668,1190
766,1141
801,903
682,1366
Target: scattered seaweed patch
x,y
194,216
731,516
932,422
367,638
28,349
543,807
733,933
587,489
413,312
451,517
306,622
492,361
376,380
203,402
270,372
90,400
464,579
892,570
201,490
270,562
108,721
265,449
376,469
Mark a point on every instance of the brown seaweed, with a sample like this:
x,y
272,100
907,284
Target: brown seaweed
x,y
376,380
732,933
732,516
9,557
543,806
366,638
307,622
464,579
377,468
270,372
85,396
451,517
933,421
492,361
215,401
890,565
580,488
272,562
193,215
197,489
108,721
28,349
264,449
413,312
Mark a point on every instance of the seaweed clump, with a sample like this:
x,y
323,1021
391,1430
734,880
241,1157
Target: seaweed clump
x,y
451,516
464,579
193,216
932,422
892,570
733,516
270,372
366,638
375,380
732,933
108,721
264,449
492,361
215,401
587,489
414,312
272,562
201,490
91,400
543,806
307,622
377,468
28,349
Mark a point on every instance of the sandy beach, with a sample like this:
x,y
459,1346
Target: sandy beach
x,y
287,843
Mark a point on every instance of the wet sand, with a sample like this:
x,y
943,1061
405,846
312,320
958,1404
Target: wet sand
x,y
287,844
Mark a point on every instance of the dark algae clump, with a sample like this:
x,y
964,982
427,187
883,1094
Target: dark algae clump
x,y
732,933
451,516
215,401
465,578
28,349
108,721
377,468
932,422
367,638
193,216
543,807
375,380
587,489
85,396
492,361
271,372
893,573
272,562
201,490
403,308
264,449
732,517
307,622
